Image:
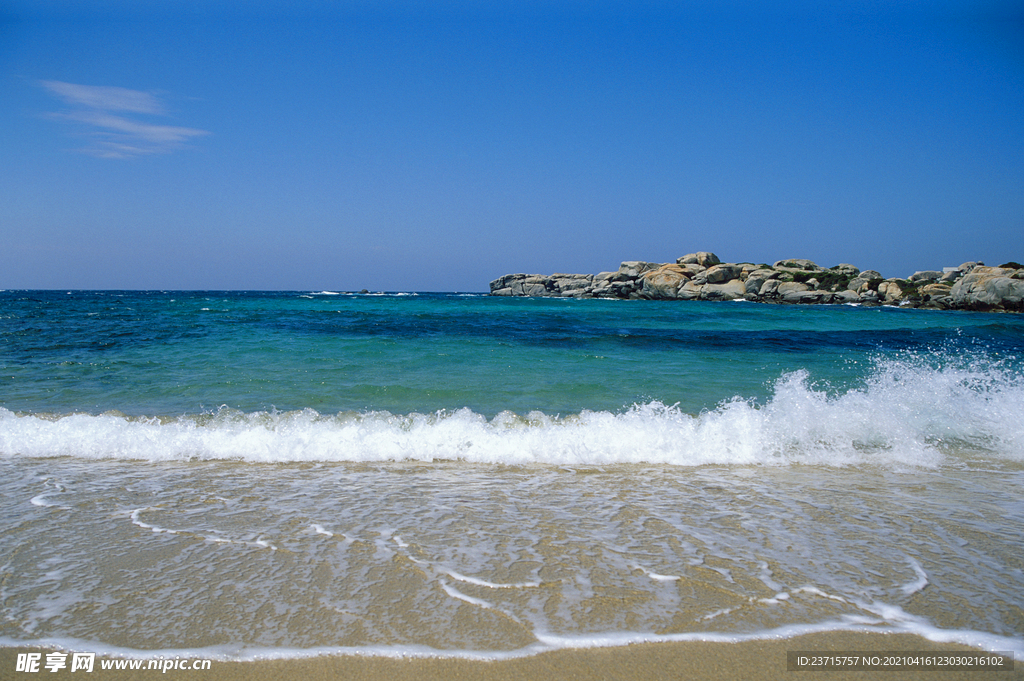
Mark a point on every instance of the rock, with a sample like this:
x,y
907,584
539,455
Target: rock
x,y
890,290
797,264
989,288
765,273
570,285
863,281
937,289
730,290
634,268
703,276
722,273
869,296
692,270
792,287
542,287
706,259
689,291
663,283
808,297
859,285
503,282
753,284
702,258
936,296
982,271
748,267
847,297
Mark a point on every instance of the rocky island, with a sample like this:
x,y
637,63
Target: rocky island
x,y
703,276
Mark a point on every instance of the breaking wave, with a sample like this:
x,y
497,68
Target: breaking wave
x,y
906,412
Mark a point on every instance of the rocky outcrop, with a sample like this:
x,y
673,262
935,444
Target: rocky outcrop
x,y
703,276
990,288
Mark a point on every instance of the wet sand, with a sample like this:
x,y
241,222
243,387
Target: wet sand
x,y
692,660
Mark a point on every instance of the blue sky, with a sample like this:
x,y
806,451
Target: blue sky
x,y
435,146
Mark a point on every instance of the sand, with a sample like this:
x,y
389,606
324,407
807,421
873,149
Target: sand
x,y
696,660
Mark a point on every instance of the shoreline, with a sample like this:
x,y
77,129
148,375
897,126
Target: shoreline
x,y
759,658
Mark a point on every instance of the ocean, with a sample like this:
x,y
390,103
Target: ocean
x,y
281,474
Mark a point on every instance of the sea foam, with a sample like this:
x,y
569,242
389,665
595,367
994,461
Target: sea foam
x,y
905,413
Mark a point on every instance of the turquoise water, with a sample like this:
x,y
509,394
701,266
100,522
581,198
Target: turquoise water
x,y
182,352
247,473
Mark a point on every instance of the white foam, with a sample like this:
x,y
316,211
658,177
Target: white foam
x,y
455,593
546,642
766,577
43,501
489,585
906,414
655,576
135,516
774,600
918,584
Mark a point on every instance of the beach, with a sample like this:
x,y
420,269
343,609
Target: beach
x,y
722,661
452,484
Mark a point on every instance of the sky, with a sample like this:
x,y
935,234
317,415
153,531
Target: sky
x,y
434,146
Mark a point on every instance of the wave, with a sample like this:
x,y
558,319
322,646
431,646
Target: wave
x,y
906,413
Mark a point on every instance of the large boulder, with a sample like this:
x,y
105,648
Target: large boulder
x,y
702,258
808,297
863,281
730,290
989,288
753,284
690,291
788,287
663,283
718,274
936,290
509,285
540,286
634,268
890,290
504,283
846,297
797,264
571,285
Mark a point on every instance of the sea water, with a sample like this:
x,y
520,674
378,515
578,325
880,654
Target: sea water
x,y
292,473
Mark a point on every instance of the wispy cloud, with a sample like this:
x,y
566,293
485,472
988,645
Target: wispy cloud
x,y
116,120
